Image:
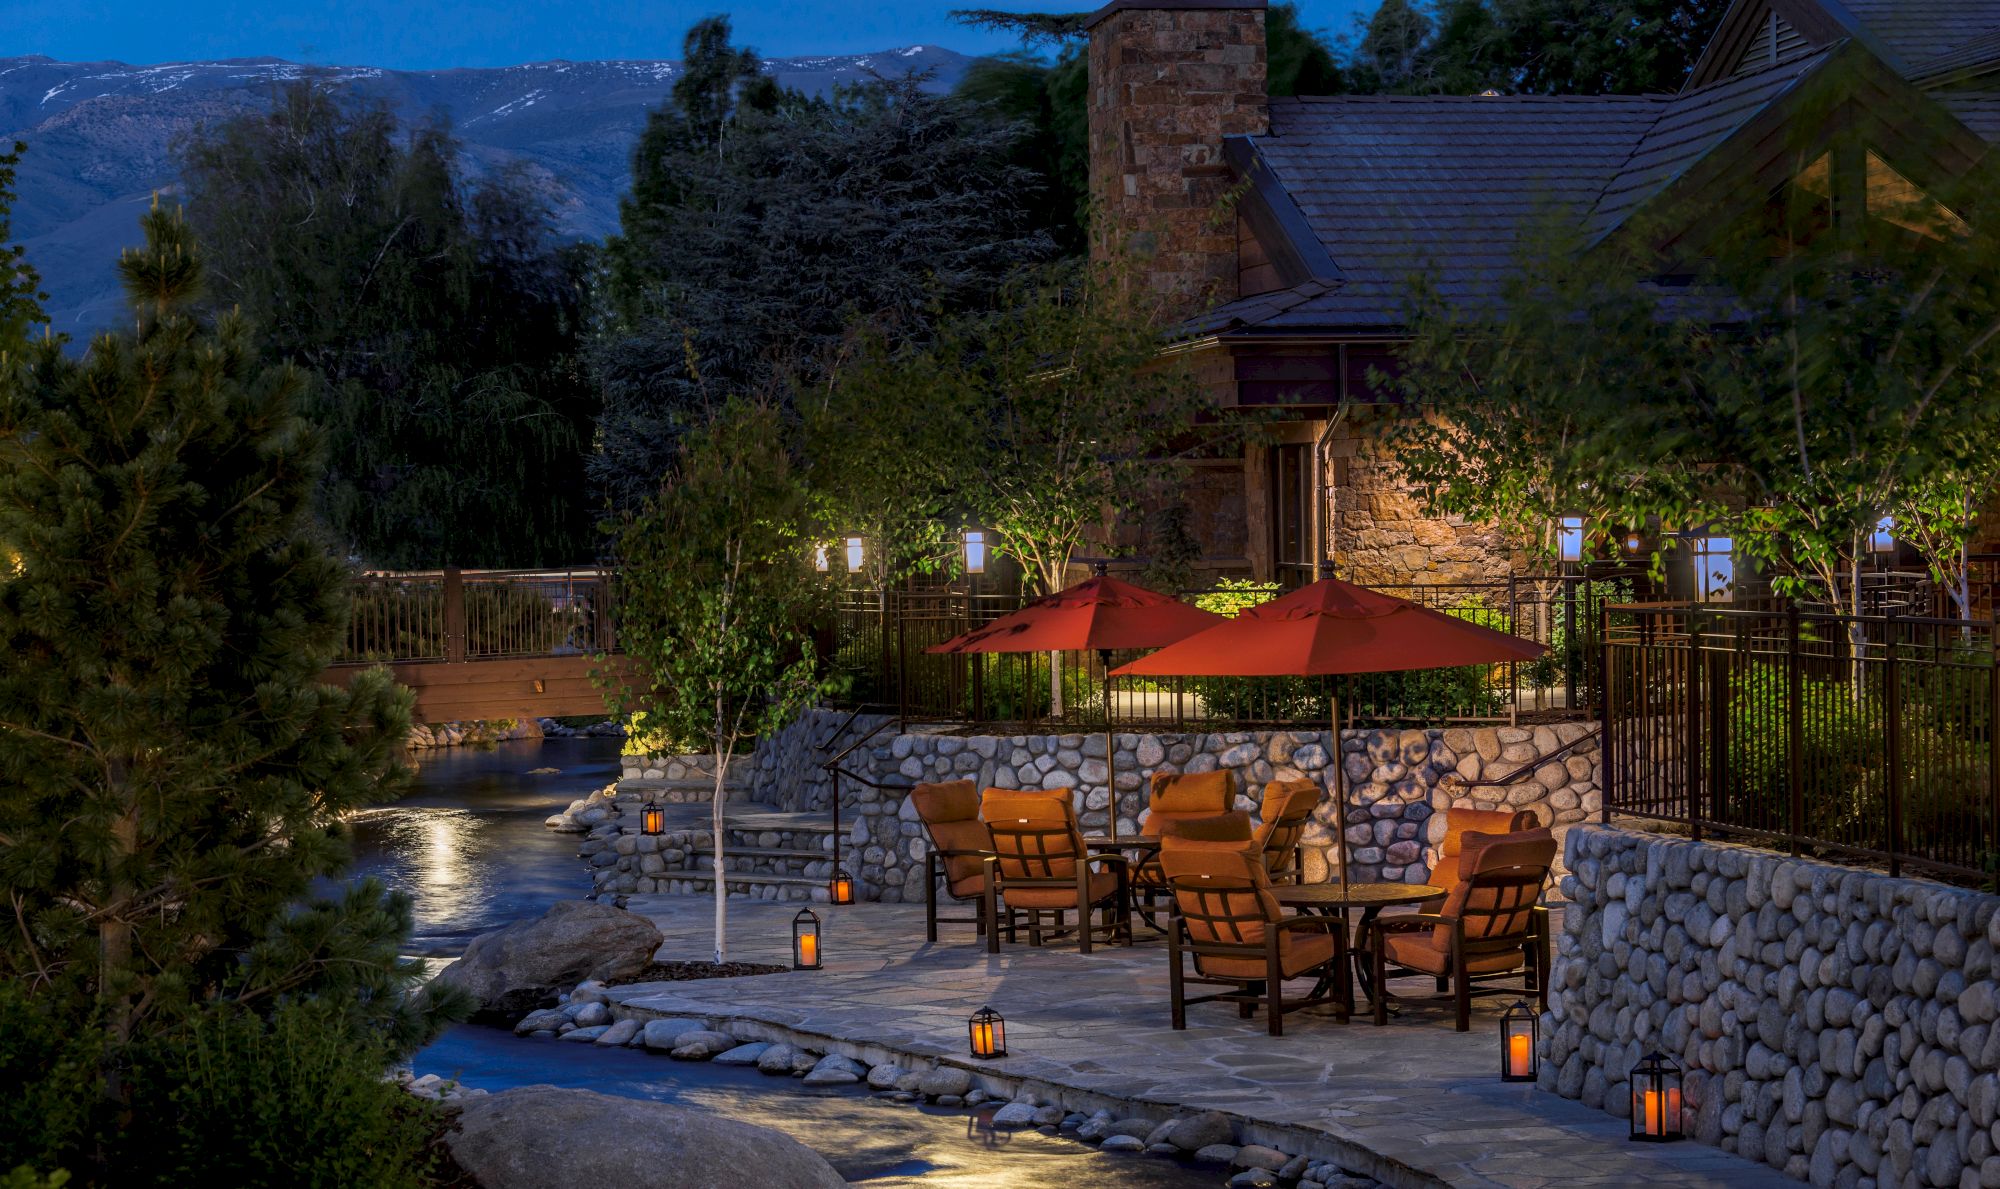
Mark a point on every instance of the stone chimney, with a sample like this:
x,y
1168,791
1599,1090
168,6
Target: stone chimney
x,y
1169,79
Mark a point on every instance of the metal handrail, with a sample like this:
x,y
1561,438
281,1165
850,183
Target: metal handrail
x,y
1522,773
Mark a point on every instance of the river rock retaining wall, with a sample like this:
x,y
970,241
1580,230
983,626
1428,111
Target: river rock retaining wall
x,y
1398,781
1838,1024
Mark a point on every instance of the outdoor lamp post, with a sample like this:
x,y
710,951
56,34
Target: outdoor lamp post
x,y
1520,1030
975,551
854,555
988,1032
805,940
652,819
1656,1099
840,889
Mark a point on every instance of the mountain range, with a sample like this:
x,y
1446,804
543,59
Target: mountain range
x,y
101,138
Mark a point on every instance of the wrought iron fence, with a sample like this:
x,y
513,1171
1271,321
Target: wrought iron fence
x,y
879,640
455,615
1866,738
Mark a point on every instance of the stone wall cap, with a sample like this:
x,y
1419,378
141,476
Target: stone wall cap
x,y
1118,6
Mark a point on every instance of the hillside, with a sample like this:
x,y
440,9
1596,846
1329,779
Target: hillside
x,y
101,138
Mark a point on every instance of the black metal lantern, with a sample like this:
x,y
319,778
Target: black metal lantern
x,y
652,819
1656,1099
988,1033
805,940
1520,1036
840,889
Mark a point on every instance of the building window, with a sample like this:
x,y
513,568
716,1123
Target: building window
x,y
1714,569
1291,513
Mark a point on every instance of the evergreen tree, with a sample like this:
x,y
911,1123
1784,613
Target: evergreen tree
x,y
173,772
762,223
20,288
446,324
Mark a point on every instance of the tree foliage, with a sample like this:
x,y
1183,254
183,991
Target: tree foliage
x,y
716,594
1785,376
1530,47
445,322
763,222
173,774
21,295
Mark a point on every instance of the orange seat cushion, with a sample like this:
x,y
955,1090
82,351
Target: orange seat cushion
x,y
1224,895
1103,885
1417,951
1193,792
1288,800
1217,827
1489,911
950,812
1460,822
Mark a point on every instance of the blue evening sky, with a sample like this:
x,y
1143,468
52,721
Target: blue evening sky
x,y
433,34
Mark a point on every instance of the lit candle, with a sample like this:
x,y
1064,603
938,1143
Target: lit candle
x,y
1518,1055
1652,1119
808,950
982,1038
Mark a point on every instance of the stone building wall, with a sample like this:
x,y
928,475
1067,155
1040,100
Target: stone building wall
x,y
1835,1023
1398,781
1380,534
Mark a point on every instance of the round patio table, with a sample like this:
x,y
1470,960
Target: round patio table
x,y
1330,900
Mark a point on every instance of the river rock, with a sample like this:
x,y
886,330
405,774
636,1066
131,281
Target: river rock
x,y
1204,1130
519,967
1135,1127
621,1032
1124,1143
775,1059
547,1019
945,1080
586,1034
700,1046
535,1136
835,1070
1216,1154
1254,1178
747,1054
1258,1156
884,1077
664,1035
591,1014
1015,1114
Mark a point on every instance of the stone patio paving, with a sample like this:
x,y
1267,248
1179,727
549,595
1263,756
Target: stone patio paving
x,y
1414,1103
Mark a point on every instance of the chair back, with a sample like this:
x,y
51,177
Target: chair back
x,y
1222,827
1223,895
1187,794
1035,834
950,813
1460,822
1288,807
1500,880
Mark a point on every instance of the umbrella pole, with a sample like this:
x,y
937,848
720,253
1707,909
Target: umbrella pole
x,y
1339,761
1110,750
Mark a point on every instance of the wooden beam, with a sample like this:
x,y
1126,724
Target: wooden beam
x,y
529,687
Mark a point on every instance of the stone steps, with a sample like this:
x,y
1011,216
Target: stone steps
x,y
749,886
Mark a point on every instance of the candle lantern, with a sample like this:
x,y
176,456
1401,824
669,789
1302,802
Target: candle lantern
x,y
1656,1099
805,940
1520,1032
989,1033
840,889
652,819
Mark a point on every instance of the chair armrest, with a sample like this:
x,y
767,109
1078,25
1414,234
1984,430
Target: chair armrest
x,y
956,854
1303,922
1121,859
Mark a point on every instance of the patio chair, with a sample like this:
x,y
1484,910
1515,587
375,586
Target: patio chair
x,y
1179,795
1227,919
1042,869
1288,807
1149,883
957,858
1460,822
1491,926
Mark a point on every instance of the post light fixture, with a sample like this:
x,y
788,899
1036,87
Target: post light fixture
x,y
1520,1036
988,1032
805,940
820,561
1569,539
1634,542
652,819
1656,1099
1883,539
840,889
854,555
975,551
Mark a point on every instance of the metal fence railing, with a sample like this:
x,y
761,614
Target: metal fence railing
x,y
879,640
1856,738
457,615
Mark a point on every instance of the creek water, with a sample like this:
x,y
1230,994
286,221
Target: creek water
x,y
469,846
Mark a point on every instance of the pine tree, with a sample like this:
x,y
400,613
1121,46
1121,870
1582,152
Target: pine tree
x,y
173,772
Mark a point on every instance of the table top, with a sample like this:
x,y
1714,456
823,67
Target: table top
x,y
1127,842
1369,895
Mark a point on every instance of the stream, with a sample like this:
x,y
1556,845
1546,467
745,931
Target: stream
x,y
469,846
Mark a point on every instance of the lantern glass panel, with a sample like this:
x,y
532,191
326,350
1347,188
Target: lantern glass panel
x,y
1519,1032
975,551
1656,1100
820,561
840,889
652,819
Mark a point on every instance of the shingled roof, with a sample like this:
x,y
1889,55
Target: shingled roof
x,y
1917,33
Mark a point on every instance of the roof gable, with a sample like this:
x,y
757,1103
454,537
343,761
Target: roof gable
x,y
1919,39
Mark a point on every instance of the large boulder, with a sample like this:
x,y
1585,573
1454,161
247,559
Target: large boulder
x,y
520,967
535,1136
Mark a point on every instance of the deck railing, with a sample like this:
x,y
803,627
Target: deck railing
x,y
1860,738
461,615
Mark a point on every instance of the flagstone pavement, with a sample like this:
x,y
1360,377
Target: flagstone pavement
x,y
1414,1103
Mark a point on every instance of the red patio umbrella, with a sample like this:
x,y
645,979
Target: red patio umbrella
x,y
1334,627
1101,613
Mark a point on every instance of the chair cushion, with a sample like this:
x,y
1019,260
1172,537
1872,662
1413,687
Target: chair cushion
x,y
1193,792
1214,827
1297,953
1488,910
1416,951
966,887
1460,822
951,801
1029,805
1103,885
1288,800
962,836
1521,848
1223,893
950,813
1034,833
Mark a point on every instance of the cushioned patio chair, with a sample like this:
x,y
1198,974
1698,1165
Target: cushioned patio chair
x,y
959,854
1491,927
1288,807
1180,795
1460,822
1239,937
1042,869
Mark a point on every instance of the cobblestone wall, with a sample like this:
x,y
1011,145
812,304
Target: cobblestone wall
x,y
1835,1023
